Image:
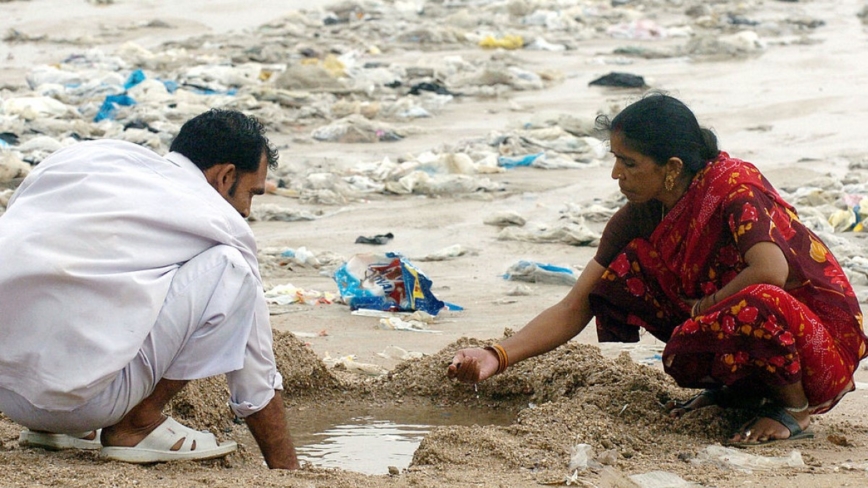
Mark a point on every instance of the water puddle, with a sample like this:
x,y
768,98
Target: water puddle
x,y
370,439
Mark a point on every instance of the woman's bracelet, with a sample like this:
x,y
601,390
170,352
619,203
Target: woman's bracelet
x,y
695,310
697,305
502,357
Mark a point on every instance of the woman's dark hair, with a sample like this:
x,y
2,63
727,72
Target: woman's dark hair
x,y
224,136
662,127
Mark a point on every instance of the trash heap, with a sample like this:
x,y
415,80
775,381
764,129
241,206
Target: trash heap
x,y
342,73
363,71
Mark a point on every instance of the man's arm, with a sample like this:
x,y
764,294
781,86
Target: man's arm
x,y
269,428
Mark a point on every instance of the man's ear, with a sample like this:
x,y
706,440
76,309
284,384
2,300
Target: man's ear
x,y
221,177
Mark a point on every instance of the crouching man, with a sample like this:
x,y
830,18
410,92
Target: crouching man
x,y
125,275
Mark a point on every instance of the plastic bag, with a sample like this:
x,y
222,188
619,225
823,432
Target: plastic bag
x,y
385,282
540,273
747,462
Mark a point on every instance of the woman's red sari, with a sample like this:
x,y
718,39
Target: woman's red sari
x,y
763,335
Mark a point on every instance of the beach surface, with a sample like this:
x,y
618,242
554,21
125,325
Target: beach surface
x,y
791,100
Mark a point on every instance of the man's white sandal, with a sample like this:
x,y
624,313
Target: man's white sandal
x,y
157,446
57,442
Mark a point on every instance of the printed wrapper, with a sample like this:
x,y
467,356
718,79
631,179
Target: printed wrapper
x,y
385,282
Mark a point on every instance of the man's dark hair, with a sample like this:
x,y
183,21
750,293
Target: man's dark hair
x,y
224,136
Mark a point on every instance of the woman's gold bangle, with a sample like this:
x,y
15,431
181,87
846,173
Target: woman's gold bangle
x,y
502,357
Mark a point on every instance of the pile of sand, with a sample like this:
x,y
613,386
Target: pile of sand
x,y
570,396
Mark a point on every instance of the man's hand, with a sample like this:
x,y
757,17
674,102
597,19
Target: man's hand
x,y
472,365
269,428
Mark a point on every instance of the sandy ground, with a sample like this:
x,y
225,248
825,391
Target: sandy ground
x,y
797,110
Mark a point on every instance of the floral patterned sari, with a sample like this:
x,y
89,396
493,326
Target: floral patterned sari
x,y
809,331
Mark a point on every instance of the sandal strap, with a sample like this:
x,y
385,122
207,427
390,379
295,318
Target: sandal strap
x,y
780,414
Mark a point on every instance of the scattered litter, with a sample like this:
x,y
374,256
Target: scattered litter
x,y
30,108
620,80
400,354
505,219
850,466
520,291
505,42
851,218
643,29
288,294
447,253
356,128
417,321
727,457
302,256
582,457
540,273
572,234
350,364
516,161
429,87
9,139
11,167
397,323
385,282
378,239
594,212
310,335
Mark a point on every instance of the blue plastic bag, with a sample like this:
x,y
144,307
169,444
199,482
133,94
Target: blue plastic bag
x,y
510,162
110,106
385,282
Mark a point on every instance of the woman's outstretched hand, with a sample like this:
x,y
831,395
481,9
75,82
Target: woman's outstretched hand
x,y
472,365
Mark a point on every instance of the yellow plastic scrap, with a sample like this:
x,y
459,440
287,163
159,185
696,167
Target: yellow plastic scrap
x,y
331,63
334,66
842,220
508,41
852,218
863,209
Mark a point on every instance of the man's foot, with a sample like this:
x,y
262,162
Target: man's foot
x,y
773,423
127,435
170,441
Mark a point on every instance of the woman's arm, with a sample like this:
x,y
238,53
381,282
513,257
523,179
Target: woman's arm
x,y
766,264
548,330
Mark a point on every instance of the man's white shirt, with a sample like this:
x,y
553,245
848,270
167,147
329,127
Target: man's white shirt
x,y
89,244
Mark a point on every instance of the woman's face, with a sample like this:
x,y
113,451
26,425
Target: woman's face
x,y
639,178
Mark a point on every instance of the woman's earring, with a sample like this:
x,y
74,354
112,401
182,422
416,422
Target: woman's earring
x,y
669,184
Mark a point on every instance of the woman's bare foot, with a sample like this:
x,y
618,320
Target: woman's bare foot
x,y
776,423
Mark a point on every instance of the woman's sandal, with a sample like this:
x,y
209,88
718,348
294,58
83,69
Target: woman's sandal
x,y
677,409
723,397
